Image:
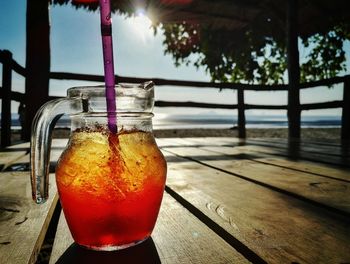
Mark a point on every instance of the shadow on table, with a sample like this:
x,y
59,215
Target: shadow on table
x,y
145,252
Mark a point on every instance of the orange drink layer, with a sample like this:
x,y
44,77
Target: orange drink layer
x,y
111,187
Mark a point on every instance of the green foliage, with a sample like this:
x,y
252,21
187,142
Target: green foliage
x,y
248,57
326,58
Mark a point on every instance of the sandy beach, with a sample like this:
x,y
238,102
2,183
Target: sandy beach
x,y
316,133
332,134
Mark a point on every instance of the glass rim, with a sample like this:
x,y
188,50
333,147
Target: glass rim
x,y
120,114
100,89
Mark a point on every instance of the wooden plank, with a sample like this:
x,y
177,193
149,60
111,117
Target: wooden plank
x,y
54,156
304,146
304,166
59,143
280,229
23,224
22,146
327,191
22,161
63,240
313,141
56,143
217,145
292,151
7,158
179,237
170,142
234,141
18,157
323,141
301,152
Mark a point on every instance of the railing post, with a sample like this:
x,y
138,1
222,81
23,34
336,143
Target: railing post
x,y
345,122
294,110
241,114
6,99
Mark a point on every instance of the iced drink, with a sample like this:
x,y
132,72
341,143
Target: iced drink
x,y
111,187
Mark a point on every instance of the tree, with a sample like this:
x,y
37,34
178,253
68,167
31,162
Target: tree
x,y
256,53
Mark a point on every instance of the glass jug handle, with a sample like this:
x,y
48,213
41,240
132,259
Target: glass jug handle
x,y
42,127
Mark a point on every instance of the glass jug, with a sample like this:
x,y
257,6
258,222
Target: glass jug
x,y
110,184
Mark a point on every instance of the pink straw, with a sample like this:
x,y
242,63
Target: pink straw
x,y
106,32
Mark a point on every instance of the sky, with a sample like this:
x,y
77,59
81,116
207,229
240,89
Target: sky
x,y
76,47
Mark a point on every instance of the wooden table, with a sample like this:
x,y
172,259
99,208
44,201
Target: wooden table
x,y
226,201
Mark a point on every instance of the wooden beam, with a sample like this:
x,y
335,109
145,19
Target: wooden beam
x,y
345,128
161,82
37,59
241,114
294,110
193,104
18,68
325,82
325,105
6,99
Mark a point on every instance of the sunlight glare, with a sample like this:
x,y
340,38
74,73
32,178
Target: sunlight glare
x,y
141,25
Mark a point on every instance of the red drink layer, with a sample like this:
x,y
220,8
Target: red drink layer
x,y
111,187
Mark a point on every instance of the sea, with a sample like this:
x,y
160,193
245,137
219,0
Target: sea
x,y
187,121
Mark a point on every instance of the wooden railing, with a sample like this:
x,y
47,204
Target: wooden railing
x,y
10,65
